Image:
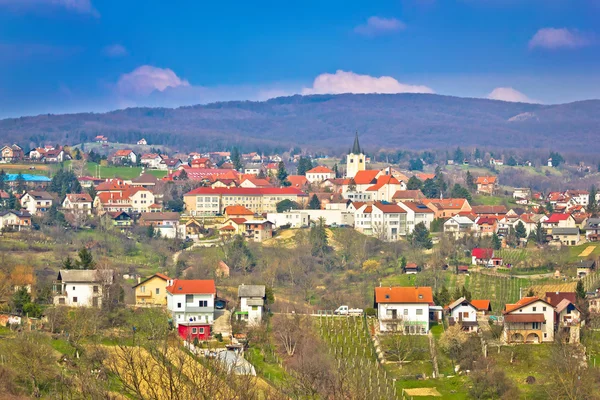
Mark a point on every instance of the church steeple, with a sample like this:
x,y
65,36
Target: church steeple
x,y
356,146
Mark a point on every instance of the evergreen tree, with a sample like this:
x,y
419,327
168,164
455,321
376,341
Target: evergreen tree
x,y
282,174
477,154
183,176
466,294
459,192
54,216
580,290
540,234
86,260
415,164
2,180
352,185
261,174
13,202
496,242
304,164
68,263
511,162
336,171
470,181
456,295
520,230
414,183
592,203
439,180
444,297
430,189
20,299
20,183
318,239
285,205
236,159
315,203
150,231
420,237
557,159
459,156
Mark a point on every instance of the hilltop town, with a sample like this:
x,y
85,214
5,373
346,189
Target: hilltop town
x,y
419,277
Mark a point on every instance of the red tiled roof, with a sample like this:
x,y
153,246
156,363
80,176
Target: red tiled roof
x,y
383,180
481,305
320,170
112,184
485,180
556,218
258,182
448,204
237,210
521,303
418,207
404,295
123,153
389,208
192,286
246,191
422,176
556,297
227,228
238,221
409,194
297,180
79,197
520,318
364,177
486,221
482,254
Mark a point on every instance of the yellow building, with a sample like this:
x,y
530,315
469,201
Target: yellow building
x,y
152,291
356,160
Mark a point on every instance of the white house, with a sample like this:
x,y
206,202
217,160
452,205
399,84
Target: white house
x,y
463,313
302,218
319,174
142,142
252,302
384,221
192,306
417,213
404,309
78,203
36,202
81,288
153,161
15,220
529,320
459,226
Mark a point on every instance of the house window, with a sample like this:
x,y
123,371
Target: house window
x,y
74,299
189,298
419,311
203,303
534,309
142,289
201,330
545,335
543,308
178,305
96,289
406,311
535,325
157,291
194,330
73,287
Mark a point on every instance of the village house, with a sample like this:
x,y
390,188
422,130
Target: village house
x,y
101,139
578,197
142,142
416,213
252,302
254,182
124,157
233,226
201,162
565,236
529,320
459,226
521,193
131,200
385,188
404,309
166,224
253,169
237,211
258,230
213,201
411,268
463,313
12,153
152,291
568,316
15,220
592,229
557,220
319,174
303,218
192,306
481,256
299,181
384,221
37,202
37,182
49,154
585,267
145,180
81,288
489,211
119,219
486,185
447,208
486,226
408,195
78,203
153,161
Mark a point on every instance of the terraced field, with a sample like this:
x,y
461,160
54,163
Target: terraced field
x,y
499,290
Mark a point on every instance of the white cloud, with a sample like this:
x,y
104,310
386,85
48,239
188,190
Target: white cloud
x,y
349,82
380,26
509,94
115,50
146,79
556,38
79,6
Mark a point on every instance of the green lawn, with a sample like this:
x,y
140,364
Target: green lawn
x,y
575,251
121,172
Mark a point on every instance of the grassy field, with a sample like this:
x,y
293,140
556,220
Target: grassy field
x,y
575,252
38,169
121,172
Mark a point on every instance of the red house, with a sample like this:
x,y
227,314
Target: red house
x,y
481,256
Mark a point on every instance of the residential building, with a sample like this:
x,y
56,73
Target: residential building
x,y
592,229
15,220
558,220
152,291
585,267
192,306
384,221
131,200
447,208
529,320
319,174
125,156
153,161
201,162
385,188
568,316
254,182
11,154
233,226
253,169
579,197
356,160
49,154
408,195
37,202
81,288
411,268
303,218
459,226
483,306
463,313
252,302
298,181
78,203
416,213
120,219
522,193
404,309
213,201
101,139
565,236
142,142
489,211
486,184
258,230
166,224
486,226
237,211
481,256
145,180
31,181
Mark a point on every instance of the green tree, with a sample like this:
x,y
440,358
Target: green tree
x,y
466,294
496,242
415,164
285,205
352,185
443,297
315,203
183,176
282,174
86,260
459,156
430,189
318,239
592,203
150,231
176,205
336,171
68,263
420,237
520,230
557,159
13,202
20,183
511,162
477,155
439,180
414,183
236,159
2,180
459,192
55,217
470,181
580,290
457,294
540,234
304,164
20,299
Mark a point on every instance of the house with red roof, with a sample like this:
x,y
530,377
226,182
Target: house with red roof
x,y
205,174
529,320
201,162
361,181
254,182
124,156
153,161
408,195
486,226
404,309
481,256
319,174
558,220
298,181
78,203
385,187
486,184
447,208
237,211
191,303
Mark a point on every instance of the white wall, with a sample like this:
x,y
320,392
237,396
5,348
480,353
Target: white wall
x,y
538,308
406,312
84,293
461,309
182,311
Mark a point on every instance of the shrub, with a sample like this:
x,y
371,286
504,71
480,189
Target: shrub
x,y
371,312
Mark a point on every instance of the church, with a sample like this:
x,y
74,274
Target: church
x,y
356,160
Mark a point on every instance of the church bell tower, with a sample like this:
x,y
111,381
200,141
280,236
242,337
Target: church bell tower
x,y
355,161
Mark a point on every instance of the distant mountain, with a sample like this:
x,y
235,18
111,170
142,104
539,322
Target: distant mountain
x,y
412,121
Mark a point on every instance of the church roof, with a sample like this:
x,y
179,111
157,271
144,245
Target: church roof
x,y
356,146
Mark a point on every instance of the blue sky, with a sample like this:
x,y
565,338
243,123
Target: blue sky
x,y
96,55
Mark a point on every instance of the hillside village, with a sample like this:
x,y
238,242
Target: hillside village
x,y
440,260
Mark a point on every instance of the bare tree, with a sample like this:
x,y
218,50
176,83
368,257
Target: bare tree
x,y
289,331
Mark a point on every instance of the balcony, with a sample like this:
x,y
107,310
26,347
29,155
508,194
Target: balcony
x,y
196,309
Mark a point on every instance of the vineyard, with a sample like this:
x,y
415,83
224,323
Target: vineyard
x,y
590,282
349,343
512,256
500,290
